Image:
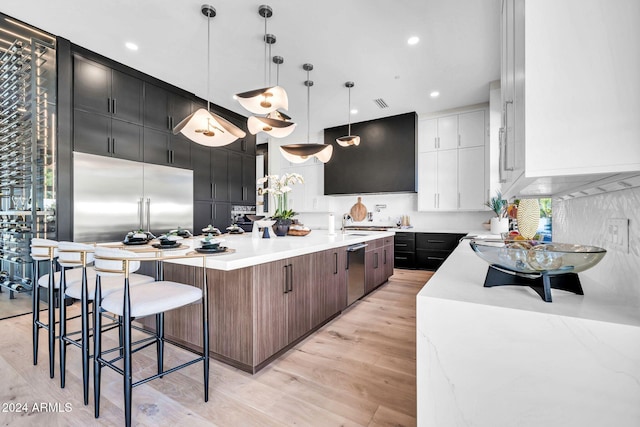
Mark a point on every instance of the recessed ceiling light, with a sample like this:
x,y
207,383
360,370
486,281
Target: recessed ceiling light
x,y
131,46
354,111
434,94
413,40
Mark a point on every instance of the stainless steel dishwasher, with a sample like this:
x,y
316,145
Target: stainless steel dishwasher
x,y
355,265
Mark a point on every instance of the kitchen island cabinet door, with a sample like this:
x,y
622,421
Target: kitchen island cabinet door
x,y
329,285
299,296
270,311
388,259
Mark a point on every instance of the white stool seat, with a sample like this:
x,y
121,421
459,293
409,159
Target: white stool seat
x,y
152,298
108,285
72,275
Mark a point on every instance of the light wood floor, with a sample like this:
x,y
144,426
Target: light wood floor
x,y
358,370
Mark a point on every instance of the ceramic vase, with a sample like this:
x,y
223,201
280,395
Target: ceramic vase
x,y
499,225
528,217
281,227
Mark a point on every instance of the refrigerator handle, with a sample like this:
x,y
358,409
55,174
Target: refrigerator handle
x,y
148,214
140,214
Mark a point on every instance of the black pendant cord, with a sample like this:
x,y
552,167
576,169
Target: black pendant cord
x,y
308,107
265,50
349,112
208,59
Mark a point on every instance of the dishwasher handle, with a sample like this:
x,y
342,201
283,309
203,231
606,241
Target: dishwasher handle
x,y
354,248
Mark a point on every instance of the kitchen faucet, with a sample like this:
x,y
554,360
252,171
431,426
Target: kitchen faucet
x,y
345,219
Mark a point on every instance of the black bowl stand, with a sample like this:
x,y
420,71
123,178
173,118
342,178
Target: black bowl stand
x,y
541,283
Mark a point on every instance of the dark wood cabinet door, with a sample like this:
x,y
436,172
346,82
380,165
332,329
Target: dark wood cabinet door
x,y
219,174
202,215
299,296
179,109
270,310
156,114
221,215
126,140
91,133
388,260
126,94
328,287
156,146
249,179
91,86
371,259
235,177
180,151
201,163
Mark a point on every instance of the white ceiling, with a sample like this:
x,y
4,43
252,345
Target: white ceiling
x,y
360,40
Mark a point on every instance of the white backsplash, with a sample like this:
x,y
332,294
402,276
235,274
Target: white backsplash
x,y
396,206
584,220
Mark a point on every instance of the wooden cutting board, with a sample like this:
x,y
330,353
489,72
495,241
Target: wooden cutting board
x,y
358,211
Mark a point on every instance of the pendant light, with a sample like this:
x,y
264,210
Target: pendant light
x,y
349,140
267,99
299,153
204,127
276,123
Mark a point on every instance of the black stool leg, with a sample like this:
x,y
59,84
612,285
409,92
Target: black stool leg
x,y
205,336
160,341
63,327
97,347
84,300
51,327
120,336
128,381
35,310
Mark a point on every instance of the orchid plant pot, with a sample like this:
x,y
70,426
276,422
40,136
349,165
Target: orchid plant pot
x,y
281,227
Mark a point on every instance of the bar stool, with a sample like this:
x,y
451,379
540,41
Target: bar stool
x,y
74,258
44,250
140,301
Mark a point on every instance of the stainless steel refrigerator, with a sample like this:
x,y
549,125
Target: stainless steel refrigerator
x,y
114,196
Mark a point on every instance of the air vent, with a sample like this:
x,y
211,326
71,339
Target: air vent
x,y
380,103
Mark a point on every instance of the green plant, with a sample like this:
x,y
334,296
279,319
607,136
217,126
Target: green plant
x,y
498,205
280,186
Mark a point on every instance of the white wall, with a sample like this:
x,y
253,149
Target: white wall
x,y
397,205
584,221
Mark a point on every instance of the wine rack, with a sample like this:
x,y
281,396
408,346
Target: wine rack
x,y
27,157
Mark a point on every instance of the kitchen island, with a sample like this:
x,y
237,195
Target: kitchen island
x,y
501,356
268,294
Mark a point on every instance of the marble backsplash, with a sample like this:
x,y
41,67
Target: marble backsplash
x,y
584,220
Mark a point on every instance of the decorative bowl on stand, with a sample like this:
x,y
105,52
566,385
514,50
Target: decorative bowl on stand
x,y
539,265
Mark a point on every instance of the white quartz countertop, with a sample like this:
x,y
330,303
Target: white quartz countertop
x,y
461,278
249,251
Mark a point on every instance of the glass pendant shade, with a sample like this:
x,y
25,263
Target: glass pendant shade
x,y
265,100
205,128
346,141
275,124
300,153
349,140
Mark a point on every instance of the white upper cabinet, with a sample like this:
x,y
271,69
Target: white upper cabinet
x,y
570,90
471,129
582,84
438,134
452,161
